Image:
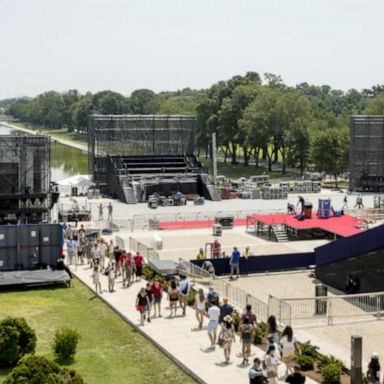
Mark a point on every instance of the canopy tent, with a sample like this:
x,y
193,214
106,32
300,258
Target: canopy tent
x,y
80,183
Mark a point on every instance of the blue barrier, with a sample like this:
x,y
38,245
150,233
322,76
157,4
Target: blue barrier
x,y
263,263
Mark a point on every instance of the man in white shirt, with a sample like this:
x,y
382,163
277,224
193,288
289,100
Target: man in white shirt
x,y
214,315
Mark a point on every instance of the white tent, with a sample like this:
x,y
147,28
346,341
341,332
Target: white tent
x,y
80,183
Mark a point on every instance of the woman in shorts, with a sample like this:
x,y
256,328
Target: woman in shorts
x,y
200,307
288,344
142,304
157,291
246,331
173,294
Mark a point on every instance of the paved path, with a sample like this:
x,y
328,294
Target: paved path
x,y
179,336
68,143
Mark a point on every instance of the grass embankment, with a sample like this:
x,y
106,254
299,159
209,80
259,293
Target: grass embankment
x,y
109,351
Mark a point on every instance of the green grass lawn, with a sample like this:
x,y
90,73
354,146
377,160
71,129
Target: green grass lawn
x,y
235,171
109,351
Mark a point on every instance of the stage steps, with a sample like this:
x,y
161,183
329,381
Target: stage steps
x,y
130,196
214,192
280,232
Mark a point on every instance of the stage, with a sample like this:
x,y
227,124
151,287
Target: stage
x,y
343,226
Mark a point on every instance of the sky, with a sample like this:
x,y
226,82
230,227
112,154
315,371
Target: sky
x,y
123,45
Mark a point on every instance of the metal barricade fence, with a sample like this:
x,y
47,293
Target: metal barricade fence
x,y
236,296
120,242
329,310
152,221
149,253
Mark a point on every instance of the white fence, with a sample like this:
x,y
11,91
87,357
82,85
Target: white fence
x,y
329,310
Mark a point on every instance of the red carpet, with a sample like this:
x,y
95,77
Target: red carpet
x,y
344,225
195,224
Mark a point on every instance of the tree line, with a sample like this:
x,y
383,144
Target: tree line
x,y
257,118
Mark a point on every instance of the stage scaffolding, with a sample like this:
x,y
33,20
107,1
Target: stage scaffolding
x,y
366,162
25,178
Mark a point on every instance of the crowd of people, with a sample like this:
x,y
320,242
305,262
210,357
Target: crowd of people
x,y
108,259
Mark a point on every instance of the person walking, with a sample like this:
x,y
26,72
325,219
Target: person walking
x,y
96,279
271,363
111,276
234,262
225,309
157,291
200,307
148,291
142,304
271,330
359,201
100,211
256,373
212,297
250,315
213,314
227,337
101,252
184,289
373,372
288,344
246,335
139,261
173,295
71,250
297,377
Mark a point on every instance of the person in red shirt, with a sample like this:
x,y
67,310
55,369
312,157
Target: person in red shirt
x,y
120,265
139,261
216,249
157,291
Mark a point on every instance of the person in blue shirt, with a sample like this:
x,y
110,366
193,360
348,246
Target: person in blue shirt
x,y
234,262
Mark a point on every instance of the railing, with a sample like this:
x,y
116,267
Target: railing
x,y
151,221
329,310
237,296
149,253
120,242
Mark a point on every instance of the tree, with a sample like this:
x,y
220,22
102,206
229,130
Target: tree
x,y
375,106
143,102
17,338
330,151
40,370
109,103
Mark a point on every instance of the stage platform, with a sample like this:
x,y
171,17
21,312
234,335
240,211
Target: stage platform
x,y
34,278
342,226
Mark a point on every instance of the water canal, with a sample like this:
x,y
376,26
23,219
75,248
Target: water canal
x,y
65,161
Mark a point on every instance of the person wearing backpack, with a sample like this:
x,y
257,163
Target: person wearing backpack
x,y
246,335
184,289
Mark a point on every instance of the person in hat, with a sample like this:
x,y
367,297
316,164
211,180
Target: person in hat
x,y
111,276
297,377
234,262
201,254
227,337
373,372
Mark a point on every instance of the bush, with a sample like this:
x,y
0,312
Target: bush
x,y
236,319
258,335
17,338
310,350
331,373
329,359
65,342
39,370
191,297
305,361
148,272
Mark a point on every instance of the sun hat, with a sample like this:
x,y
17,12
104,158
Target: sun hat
x,y
375,355
228,319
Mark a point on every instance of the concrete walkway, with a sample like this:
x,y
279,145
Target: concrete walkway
x,y
179,336
68,143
